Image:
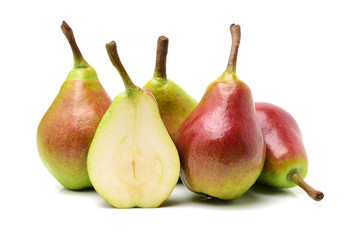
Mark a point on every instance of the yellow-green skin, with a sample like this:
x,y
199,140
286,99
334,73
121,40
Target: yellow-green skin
x,y
174,103
67,128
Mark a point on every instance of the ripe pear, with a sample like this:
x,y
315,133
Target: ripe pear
x,y
174,103
132,160
286,163
67,128
220,143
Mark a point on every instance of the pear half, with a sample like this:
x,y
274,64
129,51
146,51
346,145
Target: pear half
x,y
132,161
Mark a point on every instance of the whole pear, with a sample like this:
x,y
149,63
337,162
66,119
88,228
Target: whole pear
x,y
174,103
220,143
132,160
67,128
286,163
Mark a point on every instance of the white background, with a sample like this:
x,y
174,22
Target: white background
x,y
303,56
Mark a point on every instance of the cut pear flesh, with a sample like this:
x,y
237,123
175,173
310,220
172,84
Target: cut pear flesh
x,y
132,160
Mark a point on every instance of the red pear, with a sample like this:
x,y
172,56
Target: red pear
x,y
68,127
220,143
286,163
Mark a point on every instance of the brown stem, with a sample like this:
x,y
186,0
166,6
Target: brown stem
x,y
115,60
235,36
161,54
78,58
313,193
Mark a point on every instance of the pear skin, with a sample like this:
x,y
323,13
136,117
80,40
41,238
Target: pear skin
x,y
174,103
286,163
220,143
66,130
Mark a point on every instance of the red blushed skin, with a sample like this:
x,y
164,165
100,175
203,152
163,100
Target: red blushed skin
x,y
285,152
220,157
67,129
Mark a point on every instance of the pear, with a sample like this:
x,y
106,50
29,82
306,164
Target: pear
x,y
220,143
67,128
174,103
132,160
286,163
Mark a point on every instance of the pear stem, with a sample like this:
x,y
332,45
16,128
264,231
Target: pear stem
x,y
78,58
111,49
313,193
161,54
235,36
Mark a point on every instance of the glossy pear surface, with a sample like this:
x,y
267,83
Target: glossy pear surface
x,y
220,144
132,160
174,103
67,128
285,151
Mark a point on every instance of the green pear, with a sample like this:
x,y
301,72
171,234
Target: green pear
x,y
132,160
65,132
174,103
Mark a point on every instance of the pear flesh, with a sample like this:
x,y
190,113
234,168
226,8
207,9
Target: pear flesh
x,y
132,160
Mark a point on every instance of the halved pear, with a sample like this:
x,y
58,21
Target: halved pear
x,y
132,161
